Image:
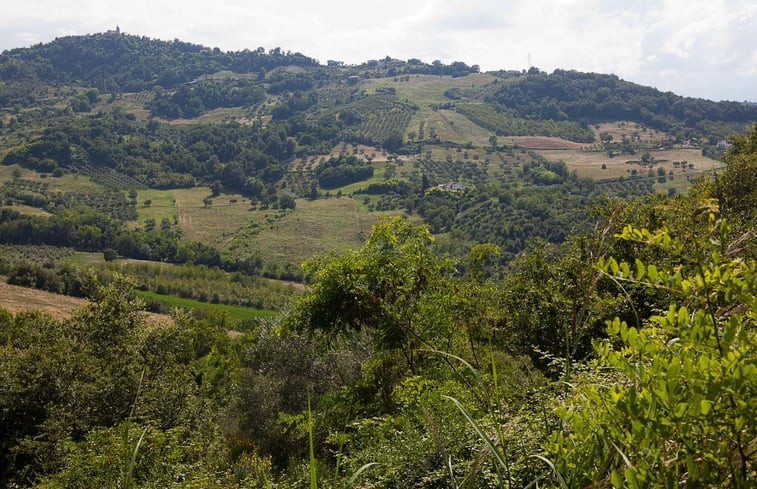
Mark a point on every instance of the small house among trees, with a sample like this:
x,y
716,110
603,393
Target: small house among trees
x,y
452,186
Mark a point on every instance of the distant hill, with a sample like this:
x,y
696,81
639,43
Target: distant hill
x,y
574,95
122,62
277,128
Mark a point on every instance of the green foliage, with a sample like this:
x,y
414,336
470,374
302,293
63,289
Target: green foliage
x,y
280,373
736,186
341,171
194,98
122,62
379,287
565,94
79,392
672,402
400,366
506,123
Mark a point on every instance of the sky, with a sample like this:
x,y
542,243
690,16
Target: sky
x,y
696,48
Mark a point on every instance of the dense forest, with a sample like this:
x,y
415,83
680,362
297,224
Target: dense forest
x,y
511,279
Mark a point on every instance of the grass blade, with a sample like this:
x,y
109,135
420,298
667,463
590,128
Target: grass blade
x,y
132,462
560,481
313,478
631,469
480,432
359,471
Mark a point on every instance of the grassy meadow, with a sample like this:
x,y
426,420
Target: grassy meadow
x,y
162,205
319,226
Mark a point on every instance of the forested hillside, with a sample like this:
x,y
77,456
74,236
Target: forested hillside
x,y
385,275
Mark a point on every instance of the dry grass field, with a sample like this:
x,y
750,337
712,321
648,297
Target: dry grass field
x,y
631,130
454,127
15,299
428,89
589,163
361,151
134,103
215,225
224,114
318,226
278,237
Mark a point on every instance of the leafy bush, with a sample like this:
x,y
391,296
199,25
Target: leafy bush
x,y
672,399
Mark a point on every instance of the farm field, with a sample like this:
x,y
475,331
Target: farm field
x,y
215,225
28,210
67,183
589,163
424,90
631,130
429,89
162,205
540,142
455,127
85,258
361,151
15,299
224,114
319,226
134,103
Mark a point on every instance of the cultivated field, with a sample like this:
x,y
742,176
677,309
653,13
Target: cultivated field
x,y
540,142
452,126
428,89
631,130
589,163
15,299
234,313
215,225
25,209
162,205
67,183
224,114
134,103
319,226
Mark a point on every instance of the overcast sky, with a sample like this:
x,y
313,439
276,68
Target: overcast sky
x,y
698,48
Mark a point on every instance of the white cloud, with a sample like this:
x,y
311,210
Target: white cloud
x,y
694,47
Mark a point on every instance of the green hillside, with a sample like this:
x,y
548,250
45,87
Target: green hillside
x,y
384,275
